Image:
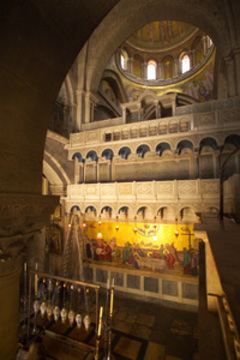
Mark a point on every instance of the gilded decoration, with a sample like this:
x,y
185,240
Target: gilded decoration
x,y
168,248
160,35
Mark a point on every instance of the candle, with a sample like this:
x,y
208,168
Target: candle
x,y
36,266
111,302
108,283
100,322
36,284
113,283
25,266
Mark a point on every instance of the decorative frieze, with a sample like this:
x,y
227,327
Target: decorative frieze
x,y
24,213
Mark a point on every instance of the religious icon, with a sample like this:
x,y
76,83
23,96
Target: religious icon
x,y
54,240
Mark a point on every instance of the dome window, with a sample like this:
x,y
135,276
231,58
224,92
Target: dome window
x,y
185,63
151,70
123,62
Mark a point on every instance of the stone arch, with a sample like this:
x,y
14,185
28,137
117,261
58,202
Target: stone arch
x,y
144,212
78,156
116,84
188,214
75,207
160,148
90,212
108,154
123,212
124,152
208,141
207,158
92,155
165,213
142,150
184,144
106,212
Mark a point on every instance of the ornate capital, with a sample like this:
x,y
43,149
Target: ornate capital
x,y
21,214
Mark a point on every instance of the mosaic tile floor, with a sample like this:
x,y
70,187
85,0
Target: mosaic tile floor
x,y
140,331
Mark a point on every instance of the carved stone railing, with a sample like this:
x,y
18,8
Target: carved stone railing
x,y
154,194
212,116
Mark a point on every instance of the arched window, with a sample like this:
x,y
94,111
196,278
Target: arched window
x,y
151,70
123,59
122,62
185,63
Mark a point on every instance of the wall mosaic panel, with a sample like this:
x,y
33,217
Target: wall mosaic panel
x,y
167,248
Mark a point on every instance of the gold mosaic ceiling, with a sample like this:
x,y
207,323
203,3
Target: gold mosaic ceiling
x,y
161,35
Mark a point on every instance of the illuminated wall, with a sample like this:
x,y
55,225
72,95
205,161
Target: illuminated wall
x,y
152,247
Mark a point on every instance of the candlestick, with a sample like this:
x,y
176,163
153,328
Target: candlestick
x,y
36,285
100,321
111,302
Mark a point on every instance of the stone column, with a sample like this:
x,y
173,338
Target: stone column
x,y
160,71
205,45
76,170
193,57
139,112
173,106
130,65
21,217
81,172
237,69
144,67
10,269
158,110
176,68
123,114
230,76
90,103
80,108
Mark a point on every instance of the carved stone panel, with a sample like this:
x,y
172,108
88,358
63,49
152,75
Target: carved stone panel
x,y
125,189
77,138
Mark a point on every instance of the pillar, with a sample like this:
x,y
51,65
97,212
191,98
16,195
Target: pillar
x,y
237,69
80,108
158,110
123,114
22,216
205,45
130,65
193,57
176,68
76,170
144,70
173,106
90,102
9,306
230,76
160,71
139,112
